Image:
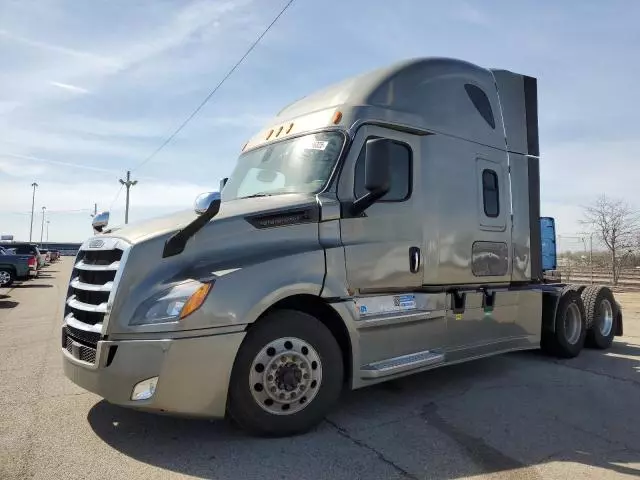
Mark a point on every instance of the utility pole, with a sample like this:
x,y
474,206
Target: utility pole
x,y
42,230
129,183
33,200
48,222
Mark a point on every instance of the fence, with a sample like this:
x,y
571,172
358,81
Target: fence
x,y
629,278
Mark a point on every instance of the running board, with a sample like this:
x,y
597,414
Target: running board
x,y
401,364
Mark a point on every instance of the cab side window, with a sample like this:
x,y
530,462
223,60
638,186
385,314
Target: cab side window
x,y
401,174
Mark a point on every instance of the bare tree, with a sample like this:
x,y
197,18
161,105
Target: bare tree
x,y
617,226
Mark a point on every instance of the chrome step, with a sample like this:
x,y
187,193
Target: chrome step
x,y
401,364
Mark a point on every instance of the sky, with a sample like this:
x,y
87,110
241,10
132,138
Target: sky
x,y
90,89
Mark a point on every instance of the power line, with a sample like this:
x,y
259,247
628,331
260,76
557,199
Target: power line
x,y
50,211
215,89
116,197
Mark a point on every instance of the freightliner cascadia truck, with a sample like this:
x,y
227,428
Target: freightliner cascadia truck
x,y
383,226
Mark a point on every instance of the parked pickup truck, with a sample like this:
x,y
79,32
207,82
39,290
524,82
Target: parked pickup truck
x,y
26,249
14,267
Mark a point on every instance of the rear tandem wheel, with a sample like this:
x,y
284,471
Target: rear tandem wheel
x,y
601,316
568,337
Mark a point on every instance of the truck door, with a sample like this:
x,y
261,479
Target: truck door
x,y
384,257
383,246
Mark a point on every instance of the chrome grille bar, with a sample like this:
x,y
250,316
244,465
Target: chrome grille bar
x,y
78,285
73,322
81,265
87,307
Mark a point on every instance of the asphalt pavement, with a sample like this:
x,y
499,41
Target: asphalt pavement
x,y
514,416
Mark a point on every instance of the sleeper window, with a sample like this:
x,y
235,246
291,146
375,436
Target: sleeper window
x,y
490,193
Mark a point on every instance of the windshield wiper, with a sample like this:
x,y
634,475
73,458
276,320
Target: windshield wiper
x,y
260,194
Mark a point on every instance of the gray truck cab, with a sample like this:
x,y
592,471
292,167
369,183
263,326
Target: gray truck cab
x,y
383,226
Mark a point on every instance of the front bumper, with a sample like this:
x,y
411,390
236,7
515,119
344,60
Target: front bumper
x,y
193,373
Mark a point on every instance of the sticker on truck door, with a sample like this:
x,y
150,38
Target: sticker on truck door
x,y
405,302
385,304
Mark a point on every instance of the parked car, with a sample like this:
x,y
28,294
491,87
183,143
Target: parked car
x,y
47,256
55,255
25,248
16,267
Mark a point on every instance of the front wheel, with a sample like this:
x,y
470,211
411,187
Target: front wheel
x,y
287,375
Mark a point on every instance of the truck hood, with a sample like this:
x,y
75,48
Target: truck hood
x,y
148,229
245,233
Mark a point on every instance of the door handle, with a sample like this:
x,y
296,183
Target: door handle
x,y
414,259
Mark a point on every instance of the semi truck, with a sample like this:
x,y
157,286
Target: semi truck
x,y
383,226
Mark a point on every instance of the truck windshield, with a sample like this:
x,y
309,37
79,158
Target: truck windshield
x,y
298,165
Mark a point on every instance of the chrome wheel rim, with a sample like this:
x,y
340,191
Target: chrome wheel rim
x,y
4,278
572,324
606,318
285,376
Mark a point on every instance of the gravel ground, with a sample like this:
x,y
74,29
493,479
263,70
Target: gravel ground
x,y
519,415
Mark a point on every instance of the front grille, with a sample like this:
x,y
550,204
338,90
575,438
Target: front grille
x,y
95,277
91,284
82,352
82,336
90,318
91,297
100,257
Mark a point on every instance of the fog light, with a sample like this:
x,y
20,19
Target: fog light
x,y
145,389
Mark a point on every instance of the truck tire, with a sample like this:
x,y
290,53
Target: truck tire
x,y
287,375
567,339
601,316
576,287
7,276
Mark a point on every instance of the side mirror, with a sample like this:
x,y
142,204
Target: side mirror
x,y
204,200
223,182
100,221
377,173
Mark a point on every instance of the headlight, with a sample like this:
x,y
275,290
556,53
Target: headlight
x,y
173,304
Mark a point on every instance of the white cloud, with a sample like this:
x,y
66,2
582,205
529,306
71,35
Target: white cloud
x,y
53,48
61,196
471,14
15,168
183,26
10,167
69,87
